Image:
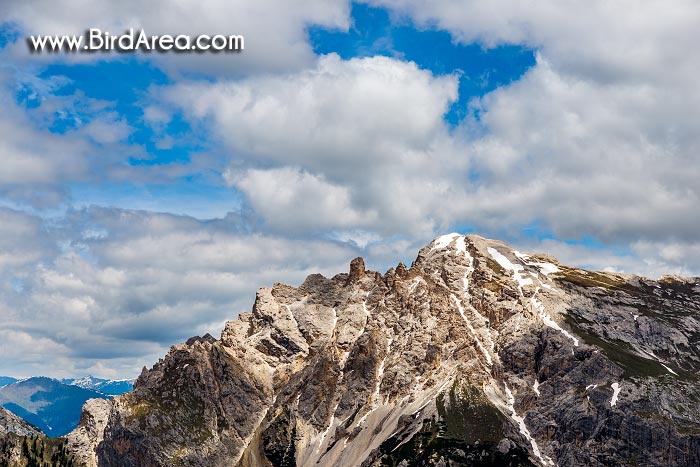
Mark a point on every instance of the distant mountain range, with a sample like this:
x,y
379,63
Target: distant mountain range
x,y
5,380
111,387
54,405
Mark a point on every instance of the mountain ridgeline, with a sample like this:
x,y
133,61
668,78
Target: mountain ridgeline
x,y
47,403
108,387
476,355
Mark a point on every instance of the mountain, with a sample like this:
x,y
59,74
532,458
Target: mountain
x,y
5,380
50,405
11,423
110,387
476,355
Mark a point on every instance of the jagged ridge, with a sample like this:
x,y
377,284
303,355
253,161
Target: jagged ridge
x,y
476,355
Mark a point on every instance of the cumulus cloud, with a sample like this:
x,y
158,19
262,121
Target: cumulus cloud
x,y
335,157
605,41
292,200
22,241
31,155
600,138
52,140
119,287
578,153
614,161
368,133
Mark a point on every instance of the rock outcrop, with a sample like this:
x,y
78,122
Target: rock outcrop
x,y
475,355
11,423
83,441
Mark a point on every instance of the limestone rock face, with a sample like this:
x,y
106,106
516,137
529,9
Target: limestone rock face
x,y
475,355
83,441
11,423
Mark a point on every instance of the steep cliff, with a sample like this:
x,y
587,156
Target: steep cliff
x,y
476,355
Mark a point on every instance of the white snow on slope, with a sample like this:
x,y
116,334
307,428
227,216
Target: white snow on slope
x,y
652,355
544,268
375,401
522,281
545,460
472,330
616,392
443,241
330,425
462,246
548,319
670,370
507,265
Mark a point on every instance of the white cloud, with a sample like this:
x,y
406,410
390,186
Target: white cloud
x,y
613,161
669,257
581,154
129,284
292,200
625,40
31,155
22,241
600,137
368,133
333,117
65,139
107,129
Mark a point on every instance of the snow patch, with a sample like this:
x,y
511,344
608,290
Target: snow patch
x,y
335,320
330,424
521,256
548,319
616,392
472,330
462,246
536,387
547,268
443,241
669,370
507,265
291,316
545,460
502,260
544,268
380,374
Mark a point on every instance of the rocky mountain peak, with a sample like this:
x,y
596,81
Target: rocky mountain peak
x,y
357,269
477,354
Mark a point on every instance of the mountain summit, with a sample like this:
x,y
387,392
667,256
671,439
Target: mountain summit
x,y
476,355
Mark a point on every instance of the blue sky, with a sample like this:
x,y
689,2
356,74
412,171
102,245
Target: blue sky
x,y
123,86
142,189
